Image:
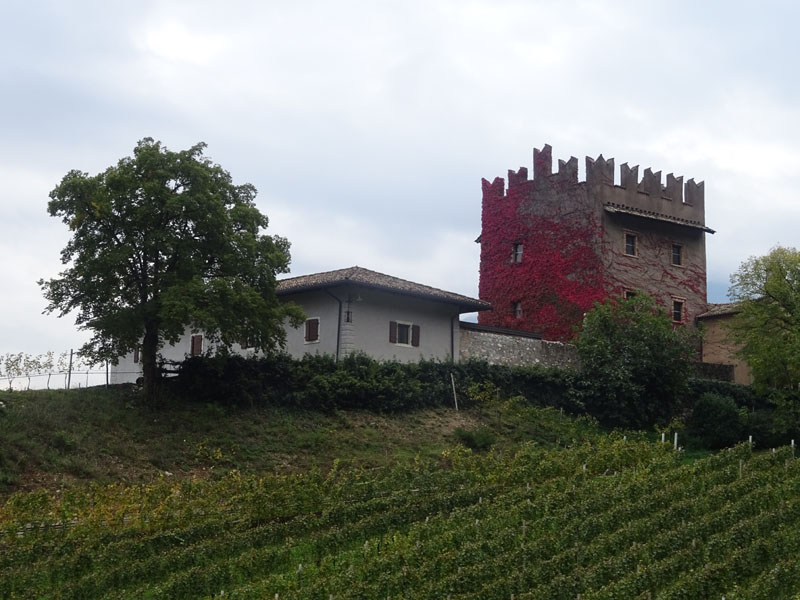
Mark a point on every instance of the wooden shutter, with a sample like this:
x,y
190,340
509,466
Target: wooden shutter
x,y
392,332
312,330
197,345
415,335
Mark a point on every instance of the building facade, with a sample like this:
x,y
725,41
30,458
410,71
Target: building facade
x,y
385,317
353,310
552,246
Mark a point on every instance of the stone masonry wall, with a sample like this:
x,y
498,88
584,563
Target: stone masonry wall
x,y
515,350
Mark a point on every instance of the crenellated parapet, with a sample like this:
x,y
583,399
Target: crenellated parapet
x,y
673,200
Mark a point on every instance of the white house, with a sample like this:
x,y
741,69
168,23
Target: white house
x,y
387,318
352,310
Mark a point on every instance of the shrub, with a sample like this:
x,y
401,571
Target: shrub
x,y
476,439
635,364
715,422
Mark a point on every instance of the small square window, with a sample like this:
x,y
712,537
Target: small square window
x,y
404,334
677,255
629,294
516,253
312,330
677,311
631,245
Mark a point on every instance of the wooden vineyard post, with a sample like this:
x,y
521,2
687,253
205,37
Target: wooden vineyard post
x,y
453,383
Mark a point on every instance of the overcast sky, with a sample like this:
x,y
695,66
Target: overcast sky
x,y
367,126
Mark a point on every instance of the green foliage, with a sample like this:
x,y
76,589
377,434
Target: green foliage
x,y
160,242
715,422
608,520
359,382
768,322
635,364
480,438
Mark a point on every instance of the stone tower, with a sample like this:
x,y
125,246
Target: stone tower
x,y
552,245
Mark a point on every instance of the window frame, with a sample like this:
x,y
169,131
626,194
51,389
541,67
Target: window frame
x,y
413,334
517,250
635,237
681,255
306,331
682,309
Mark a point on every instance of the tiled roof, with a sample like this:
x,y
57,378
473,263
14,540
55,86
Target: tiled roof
x,y
613,207
717,310
373,279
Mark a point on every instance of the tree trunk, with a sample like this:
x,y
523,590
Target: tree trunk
x,y
149,366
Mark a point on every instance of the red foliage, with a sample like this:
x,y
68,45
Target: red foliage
x,y
559,277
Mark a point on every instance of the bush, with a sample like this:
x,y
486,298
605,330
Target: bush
x,y
359,382
635,364
476,439
715,422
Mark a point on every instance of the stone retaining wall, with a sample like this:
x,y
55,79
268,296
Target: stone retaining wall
x,y
513,348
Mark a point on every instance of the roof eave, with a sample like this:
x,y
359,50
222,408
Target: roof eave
x,y
657,217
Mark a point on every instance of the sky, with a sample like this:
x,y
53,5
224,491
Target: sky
x,y
367,126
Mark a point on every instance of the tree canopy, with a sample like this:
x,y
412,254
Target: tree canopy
x,y
161,242
767,326
635,364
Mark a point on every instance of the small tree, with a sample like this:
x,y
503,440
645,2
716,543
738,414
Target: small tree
x,y
161,242
635,363
767,326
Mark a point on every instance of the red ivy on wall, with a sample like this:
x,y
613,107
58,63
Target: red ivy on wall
x,y
559,276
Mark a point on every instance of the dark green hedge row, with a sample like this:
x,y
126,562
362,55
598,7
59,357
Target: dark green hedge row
x,y
716,413
357,381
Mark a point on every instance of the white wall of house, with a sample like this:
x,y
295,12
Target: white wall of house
x,y
364,329
316,305
128,370
365,317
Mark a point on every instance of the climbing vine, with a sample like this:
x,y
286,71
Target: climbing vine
x,y
558,276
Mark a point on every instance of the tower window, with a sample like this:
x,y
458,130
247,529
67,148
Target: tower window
x,y
516,253
677,254
677,311
631,244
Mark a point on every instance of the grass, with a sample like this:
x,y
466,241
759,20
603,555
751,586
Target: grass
x,y
52,439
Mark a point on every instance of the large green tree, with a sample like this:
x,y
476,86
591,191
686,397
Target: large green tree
x,y
767,326
635,363
160,242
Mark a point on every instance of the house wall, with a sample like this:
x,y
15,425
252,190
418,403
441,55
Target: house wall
x,y
371,311
719,349
315,304
572,234
127,371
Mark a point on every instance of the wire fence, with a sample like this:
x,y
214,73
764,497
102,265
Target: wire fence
x,y
67,370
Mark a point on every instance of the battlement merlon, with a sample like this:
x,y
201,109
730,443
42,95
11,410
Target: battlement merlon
x,y
685,202
678,201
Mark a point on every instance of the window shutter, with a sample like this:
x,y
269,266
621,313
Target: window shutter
x,y
197,345
312,330
392,332
135,355
415,335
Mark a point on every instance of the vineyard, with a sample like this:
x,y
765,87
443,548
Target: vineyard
x,y
615,519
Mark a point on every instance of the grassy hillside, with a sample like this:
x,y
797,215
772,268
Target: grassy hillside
x,y
62,438
608,520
